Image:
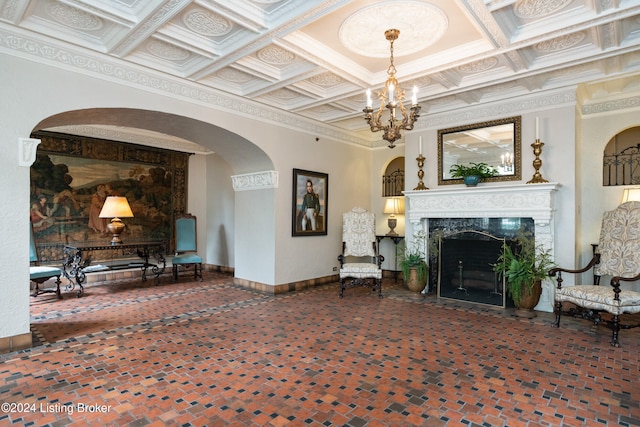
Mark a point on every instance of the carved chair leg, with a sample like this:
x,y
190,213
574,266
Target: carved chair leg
x,y
36,290
379,284
342,286
615,326
558,311
58,293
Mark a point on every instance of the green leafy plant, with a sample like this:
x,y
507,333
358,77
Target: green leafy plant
x,y
414,260
523,266
482,170
414,257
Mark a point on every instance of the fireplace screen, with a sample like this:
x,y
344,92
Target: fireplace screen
x,y
465,266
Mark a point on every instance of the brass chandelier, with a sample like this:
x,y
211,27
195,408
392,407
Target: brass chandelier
x,y
391,98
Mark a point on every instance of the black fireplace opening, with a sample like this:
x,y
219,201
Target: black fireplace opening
x,y
466,273
474,229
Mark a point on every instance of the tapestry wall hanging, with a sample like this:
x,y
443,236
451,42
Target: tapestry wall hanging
x,y
72,176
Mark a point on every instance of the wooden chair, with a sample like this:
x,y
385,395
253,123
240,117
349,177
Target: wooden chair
x,y
39,274
617,255
186,247
359,241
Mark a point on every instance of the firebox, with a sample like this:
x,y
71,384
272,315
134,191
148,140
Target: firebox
x,y
465,266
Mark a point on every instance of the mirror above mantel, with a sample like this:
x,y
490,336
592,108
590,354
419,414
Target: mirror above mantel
x,y
496,143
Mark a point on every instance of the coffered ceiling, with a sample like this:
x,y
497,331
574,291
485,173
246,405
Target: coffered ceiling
x,y
315,59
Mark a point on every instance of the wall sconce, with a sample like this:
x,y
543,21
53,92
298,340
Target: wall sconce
x,y
631,195
116,207
393,206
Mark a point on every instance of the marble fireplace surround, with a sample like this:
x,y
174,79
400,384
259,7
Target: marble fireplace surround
x,y
501,201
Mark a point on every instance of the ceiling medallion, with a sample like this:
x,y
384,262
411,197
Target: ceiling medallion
x,y
73,17
391,98
206,23
276,56
409,17
532,9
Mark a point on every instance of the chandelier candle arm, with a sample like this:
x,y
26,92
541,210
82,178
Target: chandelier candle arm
x,y
391,98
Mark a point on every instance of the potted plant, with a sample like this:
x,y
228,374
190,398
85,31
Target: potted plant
x,y
524,268
473,173
414,266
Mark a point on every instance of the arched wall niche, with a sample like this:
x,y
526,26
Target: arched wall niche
x,y
621,159
393,178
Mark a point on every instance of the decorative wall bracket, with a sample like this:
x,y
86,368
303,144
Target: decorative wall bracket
x,y
27,148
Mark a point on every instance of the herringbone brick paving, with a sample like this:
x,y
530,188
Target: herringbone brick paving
x,y
214,354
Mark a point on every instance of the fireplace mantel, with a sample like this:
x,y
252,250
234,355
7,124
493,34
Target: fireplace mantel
x,y
504,201
500,201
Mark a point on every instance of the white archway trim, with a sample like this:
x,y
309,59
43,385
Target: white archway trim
x,y
27,151
255,181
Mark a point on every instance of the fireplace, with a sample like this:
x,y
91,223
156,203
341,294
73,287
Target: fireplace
x,y
463,268
498,210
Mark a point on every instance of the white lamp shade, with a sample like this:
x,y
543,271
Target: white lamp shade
x,y
116,207
394,205
631,195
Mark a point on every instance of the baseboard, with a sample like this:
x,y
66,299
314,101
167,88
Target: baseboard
x,y
15,343
286,287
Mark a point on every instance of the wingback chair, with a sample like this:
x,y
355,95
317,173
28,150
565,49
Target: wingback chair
x,y
359,247
186,247
617,255
38,274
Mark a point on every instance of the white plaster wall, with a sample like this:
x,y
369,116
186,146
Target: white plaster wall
x,y
197,189
596,130
14,227
254,236
220,211
348,167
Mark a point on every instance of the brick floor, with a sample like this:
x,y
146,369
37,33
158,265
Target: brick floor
x,y
213,354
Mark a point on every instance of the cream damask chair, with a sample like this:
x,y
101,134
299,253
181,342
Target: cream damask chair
x,y
618,256
360,249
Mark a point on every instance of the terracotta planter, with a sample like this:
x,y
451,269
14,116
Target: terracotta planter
x,y
413,284
529,300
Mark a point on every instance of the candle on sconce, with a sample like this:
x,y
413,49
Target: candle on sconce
x,y
369,102
537,128
414,97
421,146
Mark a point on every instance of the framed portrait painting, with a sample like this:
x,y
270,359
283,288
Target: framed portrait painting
x,y
309,206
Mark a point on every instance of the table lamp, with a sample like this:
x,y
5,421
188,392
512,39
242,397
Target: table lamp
x,y
393,206
116,207
630,195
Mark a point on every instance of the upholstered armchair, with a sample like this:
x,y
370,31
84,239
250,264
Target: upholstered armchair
x,y
360,262
38,274
618,256
186,247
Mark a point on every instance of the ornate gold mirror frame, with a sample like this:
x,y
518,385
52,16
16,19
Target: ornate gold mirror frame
x,y
496,143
